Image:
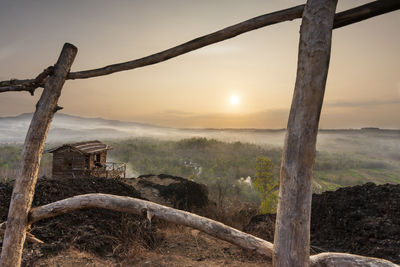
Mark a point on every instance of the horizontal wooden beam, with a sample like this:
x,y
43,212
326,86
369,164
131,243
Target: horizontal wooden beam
x,y
364,12
341,19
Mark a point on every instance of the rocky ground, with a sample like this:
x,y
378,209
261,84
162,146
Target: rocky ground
x,y
362,220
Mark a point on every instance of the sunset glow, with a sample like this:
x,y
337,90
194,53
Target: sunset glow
x,y
196,89
234,100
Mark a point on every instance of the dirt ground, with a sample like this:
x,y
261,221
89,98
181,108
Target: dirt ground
x,y
178,246
362,220
98,237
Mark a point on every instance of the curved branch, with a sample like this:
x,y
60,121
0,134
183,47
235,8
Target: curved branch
x,y
137,206
211,227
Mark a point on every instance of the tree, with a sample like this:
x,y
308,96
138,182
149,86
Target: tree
x,y
267,184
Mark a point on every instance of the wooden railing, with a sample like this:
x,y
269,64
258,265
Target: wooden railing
x,y
115,169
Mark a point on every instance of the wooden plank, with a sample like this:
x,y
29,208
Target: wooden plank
x,y
24,187
292,230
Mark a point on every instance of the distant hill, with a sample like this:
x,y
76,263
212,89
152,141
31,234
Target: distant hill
x,y
66,128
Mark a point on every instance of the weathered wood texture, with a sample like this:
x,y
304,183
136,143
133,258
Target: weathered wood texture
x,y
216,229
137,206
347,260
29,237
341,19
24,186
364,12
218,36
29,85
292,230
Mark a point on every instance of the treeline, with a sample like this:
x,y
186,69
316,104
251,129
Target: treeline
x,y
217,164
326,161
9,162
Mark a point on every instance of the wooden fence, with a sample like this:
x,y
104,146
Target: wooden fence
x,y
291,247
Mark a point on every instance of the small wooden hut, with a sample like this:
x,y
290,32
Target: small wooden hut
x,y
84,159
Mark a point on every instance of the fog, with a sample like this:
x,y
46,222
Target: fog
x,y
370,142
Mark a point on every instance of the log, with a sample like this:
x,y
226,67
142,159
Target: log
x,y
24,186
347,260
341,19
213,228
138,206
292,229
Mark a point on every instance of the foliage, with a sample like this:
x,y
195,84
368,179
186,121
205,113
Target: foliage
x,y
267,184
217,164
220,165
10,156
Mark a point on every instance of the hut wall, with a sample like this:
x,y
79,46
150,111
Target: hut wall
x,y
103,157
67,163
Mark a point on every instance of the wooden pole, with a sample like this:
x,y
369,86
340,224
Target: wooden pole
x,y
344,18
24,187
292,229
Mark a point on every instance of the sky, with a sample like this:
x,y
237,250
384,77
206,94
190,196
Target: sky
x,y
243,82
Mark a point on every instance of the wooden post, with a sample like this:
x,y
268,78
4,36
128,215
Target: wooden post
x,y
292,230
24,187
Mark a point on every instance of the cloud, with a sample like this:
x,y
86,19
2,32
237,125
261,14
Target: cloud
x,y
365,103
274,118
173,112
8,51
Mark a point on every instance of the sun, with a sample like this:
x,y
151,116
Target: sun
x,y
234,100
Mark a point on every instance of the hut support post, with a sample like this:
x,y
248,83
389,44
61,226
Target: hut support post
x,y
292,230
24,187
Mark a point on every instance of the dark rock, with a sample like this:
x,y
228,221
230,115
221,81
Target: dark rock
x,y
173,191
363,220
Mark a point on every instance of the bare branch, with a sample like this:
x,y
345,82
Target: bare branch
x,y
213,228
365,12
26,85
341,19
218,36
136,206
330,259
29,237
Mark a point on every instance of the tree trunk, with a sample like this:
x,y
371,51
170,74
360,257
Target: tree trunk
x,y
292,230
24,187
